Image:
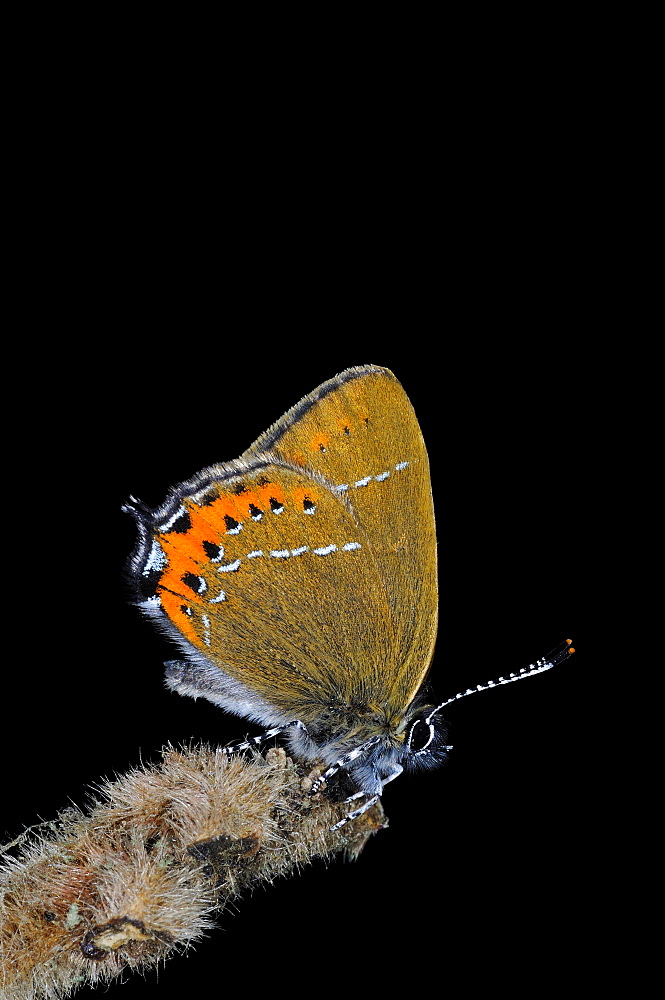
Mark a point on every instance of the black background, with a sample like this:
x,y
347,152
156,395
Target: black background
x,y
195,244
485,853
172,306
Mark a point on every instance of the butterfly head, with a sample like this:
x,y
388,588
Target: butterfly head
x,y
374,750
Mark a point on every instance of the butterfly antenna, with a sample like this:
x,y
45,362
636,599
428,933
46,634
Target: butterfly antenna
x,y
558,655
135,507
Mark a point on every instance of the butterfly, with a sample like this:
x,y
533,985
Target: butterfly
x,y
300,583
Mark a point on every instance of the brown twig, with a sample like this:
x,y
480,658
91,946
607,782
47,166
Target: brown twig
x,y
144,871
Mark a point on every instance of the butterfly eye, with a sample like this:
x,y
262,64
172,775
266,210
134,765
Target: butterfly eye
x,y
425,744
420,735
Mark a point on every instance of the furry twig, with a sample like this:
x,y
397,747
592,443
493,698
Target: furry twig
x,y
142,873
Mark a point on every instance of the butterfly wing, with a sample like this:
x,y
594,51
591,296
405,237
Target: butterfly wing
x,y
360,432
305,571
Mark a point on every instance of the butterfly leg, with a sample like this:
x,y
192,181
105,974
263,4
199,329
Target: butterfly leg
x,y
356,812
255,740
395,773
344,761
396,769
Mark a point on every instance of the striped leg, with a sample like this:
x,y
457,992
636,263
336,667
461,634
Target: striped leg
x,y
256,740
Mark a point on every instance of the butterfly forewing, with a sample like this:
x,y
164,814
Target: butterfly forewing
x,y
360,432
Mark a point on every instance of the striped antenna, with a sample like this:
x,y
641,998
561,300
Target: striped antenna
x,y
552,659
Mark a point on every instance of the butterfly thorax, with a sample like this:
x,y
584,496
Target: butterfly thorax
x,y
343,726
